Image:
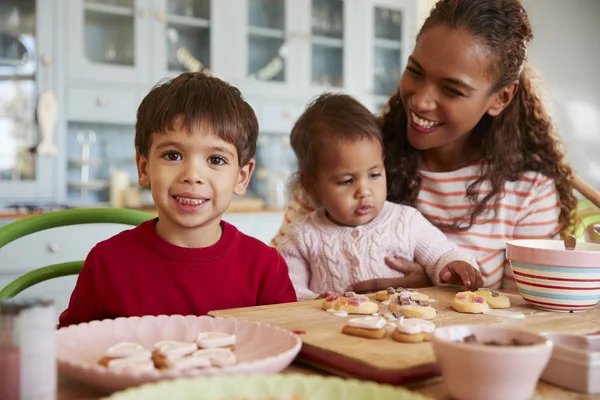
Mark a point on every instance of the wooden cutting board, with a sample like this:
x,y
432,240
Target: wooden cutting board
x,y
385,360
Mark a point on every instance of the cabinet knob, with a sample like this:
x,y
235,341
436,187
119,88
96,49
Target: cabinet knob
x,y
53,247
102,101
285,115
46,60
144,12
160,16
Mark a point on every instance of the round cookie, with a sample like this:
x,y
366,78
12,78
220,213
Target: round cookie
x,y
391,293
494,299
469,303
413,331
412,308
350,302
367,327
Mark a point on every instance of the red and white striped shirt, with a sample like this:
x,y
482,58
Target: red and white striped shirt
x,y
528,210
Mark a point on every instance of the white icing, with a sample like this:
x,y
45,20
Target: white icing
x,y
432,300
214,339
135,363
172,349
367,322
504,313
341,313
190,362
331,310
128,349
391,324
386,302
412,326
375,314
220,357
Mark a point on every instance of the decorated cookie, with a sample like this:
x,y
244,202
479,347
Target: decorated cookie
x,y
219,356
130,364
167,354
413,331
411,308
125,350
469,302
494,299
366,327
391,293
350,302
210,340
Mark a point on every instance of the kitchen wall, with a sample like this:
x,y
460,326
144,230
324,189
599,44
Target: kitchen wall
x,y
566,53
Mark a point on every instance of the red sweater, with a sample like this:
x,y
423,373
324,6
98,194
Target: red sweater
x,y
138,273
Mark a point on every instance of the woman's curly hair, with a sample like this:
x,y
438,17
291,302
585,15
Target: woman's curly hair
x,y
522,138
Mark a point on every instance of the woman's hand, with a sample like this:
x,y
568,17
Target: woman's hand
x,y
461,273
414,277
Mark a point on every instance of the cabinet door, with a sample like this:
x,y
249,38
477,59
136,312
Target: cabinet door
x,y
264,52
327,44
27,30
391,39
108,40
186,37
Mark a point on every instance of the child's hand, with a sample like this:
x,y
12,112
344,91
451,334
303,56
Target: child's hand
x,y
414,277
461,273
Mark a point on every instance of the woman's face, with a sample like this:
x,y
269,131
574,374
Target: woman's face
x,y
446,89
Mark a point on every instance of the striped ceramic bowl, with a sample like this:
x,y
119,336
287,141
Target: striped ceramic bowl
x,y
552,278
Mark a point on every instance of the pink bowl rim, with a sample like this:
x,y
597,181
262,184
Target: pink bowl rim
x,y
165,374
517,251
544,343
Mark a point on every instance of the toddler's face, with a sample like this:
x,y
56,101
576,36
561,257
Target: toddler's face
x,y
193,178
350,181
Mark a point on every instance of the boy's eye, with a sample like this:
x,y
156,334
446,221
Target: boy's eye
x,y
217,160
172,156
345,182
375,175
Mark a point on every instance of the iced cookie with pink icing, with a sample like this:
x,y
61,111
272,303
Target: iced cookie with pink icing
x,y
413,330
366,327
470,303
350,302
412,308
391,293
124,350
211,340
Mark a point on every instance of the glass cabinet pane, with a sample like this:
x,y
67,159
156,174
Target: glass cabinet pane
x,y
266,39
388,50
188,35
328,42
18,89
109,32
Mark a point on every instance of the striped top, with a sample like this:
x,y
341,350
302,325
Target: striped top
x,y
528,210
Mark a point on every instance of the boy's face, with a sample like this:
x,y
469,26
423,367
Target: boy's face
x,y
350,181
193,179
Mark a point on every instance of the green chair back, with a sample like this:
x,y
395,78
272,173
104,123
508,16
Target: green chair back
x,y
36,223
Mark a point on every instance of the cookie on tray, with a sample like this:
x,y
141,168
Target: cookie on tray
x,y
469,303
412,308
413,330
391,293
350,302
366,327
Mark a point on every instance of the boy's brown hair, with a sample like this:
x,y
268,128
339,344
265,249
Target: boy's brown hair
x,y
198,101
330,117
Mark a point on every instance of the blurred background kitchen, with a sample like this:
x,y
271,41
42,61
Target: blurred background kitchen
x,y
72,73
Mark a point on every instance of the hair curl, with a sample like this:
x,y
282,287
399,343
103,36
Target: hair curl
x,y
522,138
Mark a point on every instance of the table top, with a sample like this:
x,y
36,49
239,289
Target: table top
x,y
69,389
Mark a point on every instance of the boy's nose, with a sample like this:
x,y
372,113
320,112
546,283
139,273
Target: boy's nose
x,y
192,174
362,192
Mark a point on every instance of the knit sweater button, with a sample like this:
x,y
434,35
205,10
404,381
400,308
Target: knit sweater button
x,y
355,233
354,263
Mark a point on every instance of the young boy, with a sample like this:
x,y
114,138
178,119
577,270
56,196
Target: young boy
x,y
195,141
